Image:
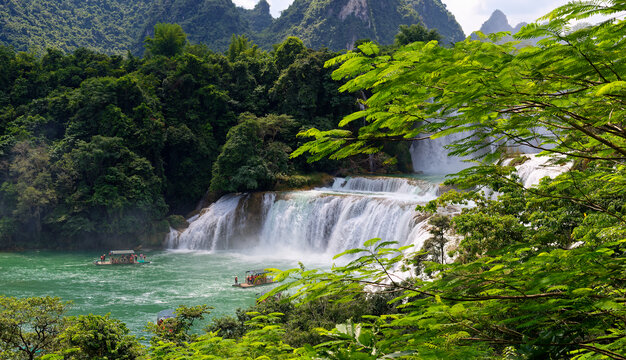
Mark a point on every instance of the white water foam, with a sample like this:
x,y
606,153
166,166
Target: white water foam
x,y
318,222
216,225
424,190
537,167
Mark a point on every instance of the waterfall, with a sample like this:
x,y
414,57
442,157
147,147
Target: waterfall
x,y
322,221
171,240
214,228
387,185
536,168
431,156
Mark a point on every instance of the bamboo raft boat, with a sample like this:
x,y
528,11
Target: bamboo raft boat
x,y
254,278
121,257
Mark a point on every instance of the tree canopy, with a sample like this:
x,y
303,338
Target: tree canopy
x,y
169,40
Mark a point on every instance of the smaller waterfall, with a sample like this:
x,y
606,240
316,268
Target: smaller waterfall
x,y
431,156
218,222
536,168
171,240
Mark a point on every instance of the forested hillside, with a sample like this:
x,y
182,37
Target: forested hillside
x,y
114,27
97,149
208,22
105,26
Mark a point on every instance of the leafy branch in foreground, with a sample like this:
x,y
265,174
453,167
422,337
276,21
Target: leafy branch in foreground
x,y
560,303
565,96
538,273
28,327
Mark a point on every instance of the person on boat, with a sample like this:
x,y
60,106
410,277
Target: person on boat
x,y
236,280
102,257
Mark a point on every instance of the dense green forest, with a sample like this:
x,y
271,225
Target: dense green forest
x,y
97,147
537,273
110,27
102,151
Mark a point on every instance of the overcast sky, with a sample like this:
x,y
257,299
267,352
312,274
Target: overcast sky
x,y
469,13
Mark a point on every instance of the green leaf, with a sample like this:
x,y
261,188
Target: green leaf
x,y
611,88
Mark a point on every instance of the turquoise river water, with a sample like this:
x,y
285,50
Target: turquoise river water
x,y
135,294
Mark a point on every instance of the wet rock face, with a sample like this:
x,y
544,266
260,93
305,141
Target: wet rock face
x,y
358,8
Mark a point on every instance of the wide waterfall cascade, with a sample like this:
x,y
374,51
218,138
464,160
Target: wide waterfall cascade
x,y
321,221
326,223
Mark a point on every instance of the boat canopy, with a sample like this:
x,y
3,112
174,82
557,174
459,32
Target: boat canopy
x,y
122,252
166,314
257,272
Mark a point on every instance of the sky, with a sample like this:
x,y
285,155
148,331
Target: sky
x,y
471,14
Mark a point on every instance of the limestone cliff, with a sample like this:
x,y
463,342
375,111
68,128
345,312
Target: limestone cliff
x,y
337,24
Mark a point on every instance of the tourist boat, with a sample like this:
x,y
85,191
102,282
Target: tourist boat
x,y
121,257
254,278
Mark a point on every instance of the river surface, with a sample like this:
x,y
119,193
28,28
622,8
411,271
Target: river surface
x,y
238,233
135,294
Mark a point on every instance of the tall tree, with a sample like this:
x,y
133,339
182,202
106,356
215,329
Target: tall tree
x,y
416,32
28,327
169,40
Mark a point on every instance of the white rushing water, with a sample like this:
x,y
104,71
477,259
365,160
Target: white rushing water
x,y
537,167
424,190
321,221
328,223
431,156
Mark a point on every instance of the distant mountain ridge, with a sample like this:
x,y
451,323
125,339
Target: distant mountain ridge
x,y
498,22
114,26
